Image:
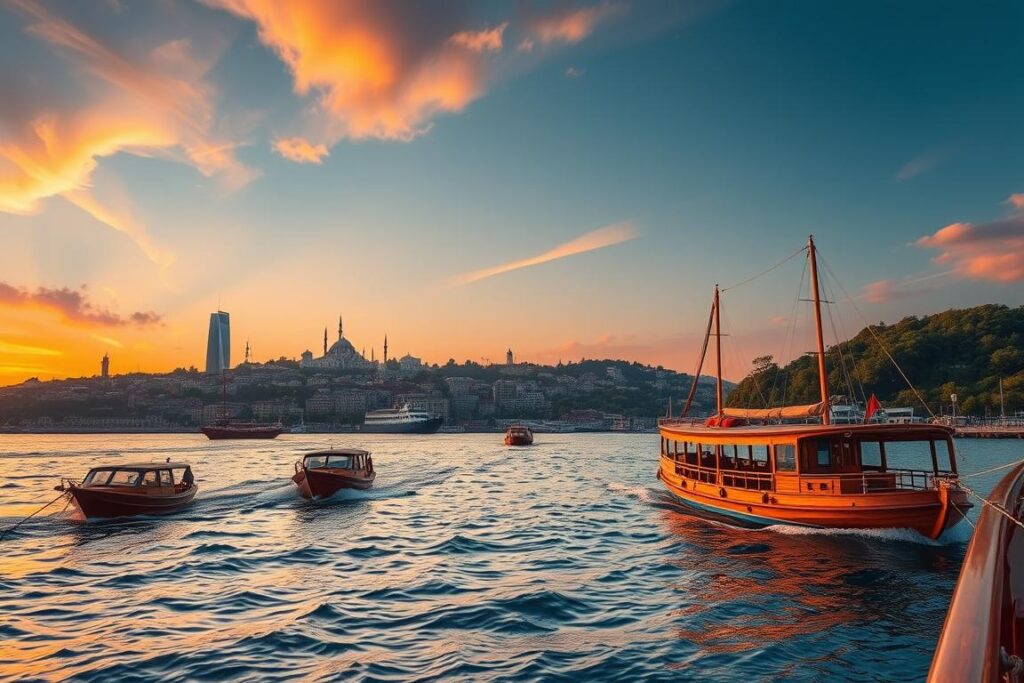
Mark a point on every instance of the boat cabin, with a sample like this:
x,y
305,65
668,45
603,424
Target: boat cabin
x,y
339,459
151,476
812,459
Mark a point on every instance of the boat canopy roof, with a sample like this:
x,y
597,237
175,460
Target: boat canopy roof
x,y
753,433
335,451
144,466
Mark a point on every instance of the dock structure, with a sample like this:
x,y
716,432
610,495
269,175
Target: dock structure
x,y
991,432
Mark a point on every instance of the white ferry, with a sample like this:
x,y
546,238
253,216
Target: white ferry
x,y
402,420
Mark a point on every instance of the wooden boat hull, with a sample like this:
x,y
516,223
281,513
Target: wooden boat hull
x,y
219,433
102,502
929,512
986,615
518,440
317,483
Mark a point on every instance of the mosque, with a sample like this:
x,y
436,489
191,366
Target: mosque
x,y
341,355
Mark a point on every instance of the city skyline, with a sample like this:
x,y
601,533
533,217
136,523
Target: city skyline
x,y
568,179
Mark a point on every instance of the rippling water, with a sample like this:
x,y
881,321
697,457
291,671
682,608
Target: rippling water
x,y
467,560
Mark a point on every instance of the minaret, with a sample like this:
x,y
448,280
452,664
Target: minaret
x,y
340,335
325,341
246,351
385,349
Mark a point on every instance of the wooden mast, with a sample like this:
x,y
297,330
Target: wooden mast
x,y
822,372
718,353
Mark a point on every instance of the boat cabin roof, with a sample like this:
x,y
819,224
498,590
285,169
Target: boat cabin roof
x,y
145,466
336,451
882,432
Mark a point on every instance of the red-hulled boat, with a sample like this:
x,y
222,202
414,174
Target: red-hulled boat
x,y
518,435
324,473
242,430
127,490
983,637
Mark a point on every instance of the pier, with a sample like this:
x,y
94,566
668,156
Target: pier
x,y
991,432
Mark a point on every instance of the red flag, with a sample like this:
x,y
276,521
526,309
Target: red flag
x,y
872,408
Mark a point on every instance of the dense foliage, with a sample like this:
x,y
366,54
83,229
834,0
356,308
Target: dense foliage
x,y
963,352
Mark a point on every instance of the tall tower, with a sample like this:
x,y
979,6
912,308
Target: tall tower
x,y
385,349
105,366
509,360
246,351
325,341
218,344
340,334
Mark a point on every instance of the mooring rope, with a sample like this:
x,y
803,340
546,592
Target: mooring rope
x,y
9,529
991,469
998,508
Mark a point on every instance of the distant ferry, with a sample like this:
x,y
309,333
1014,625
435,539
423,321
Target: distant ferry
x,y
402,420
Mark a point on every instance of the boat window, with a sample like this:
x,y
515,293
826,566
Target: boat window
x,y
343,462
315,461
97,478
915,455
824,453
150,479
759,453
785,458
871,454
165,478
124,478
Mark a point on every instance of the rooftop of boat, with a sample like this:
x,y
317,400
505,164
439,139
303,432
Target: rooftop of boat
x,y
337,451
699,429
144,466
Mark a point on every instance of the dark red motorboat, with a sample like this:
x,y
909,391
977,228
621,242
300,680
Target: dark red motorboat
x,y
242,430
519,435
324,473
127,490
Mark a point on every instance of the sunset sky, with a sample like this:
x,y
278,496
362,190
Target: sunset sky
x,y
567,179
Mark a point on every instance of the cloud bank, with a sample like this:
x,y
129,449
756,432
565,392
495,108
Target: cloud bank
x,y
73,305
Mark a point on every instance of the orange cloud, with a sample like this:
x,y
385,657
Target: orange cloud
x,y
1016,200
379,70
73,306
596,239
154,103
569,25
988,251
12,349
300,150
488,40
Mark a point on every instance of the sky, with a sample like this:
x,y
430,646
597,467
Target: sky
x,y
566,179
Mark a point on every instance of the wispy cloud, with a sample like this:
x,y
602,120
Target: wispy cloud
x,y
607,236
574,72
883,291
73,305
144,103
923,163
568,24
487,40
300,150
9,348
109,341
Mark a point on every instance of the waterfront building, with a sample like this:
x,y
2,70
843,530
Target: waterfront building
x,y
218,343
504,392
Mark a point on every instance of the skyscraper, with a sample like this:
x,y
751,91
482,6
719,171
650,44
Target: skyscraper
x,y
218,344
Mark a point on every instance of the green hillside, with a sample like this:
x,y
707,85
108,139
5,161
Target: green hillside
x,y
964,352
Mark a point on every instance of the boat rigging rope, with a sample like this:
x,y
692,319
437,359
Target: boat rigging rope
x,y
877,339
700,365
765,272
991,469
998,508
15,526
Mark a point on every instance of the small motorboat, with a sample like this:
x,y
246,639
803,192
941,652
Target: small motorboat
x,y
518,435
242,430
983,637
324,473
127,490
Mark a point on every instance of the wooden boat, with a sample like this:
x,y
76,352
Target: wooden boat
x,y
324,473
128,490
750,465
242,430
983,637
518,435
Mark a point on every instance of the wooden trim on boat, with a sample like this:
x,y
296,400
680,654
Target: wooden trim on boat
x,y
986,615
